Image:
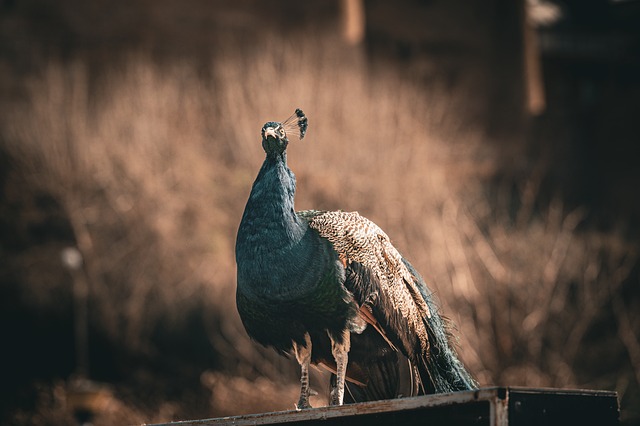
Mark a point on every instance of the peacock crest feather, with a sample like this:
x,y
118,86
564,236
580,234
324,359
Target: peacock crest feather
x,y
296,124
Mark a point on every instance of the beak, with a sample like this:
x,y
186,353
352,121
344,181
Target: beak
x,y
270,131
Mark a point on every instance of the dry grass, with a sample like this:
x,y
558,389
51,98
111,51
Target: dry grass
x,y
153,169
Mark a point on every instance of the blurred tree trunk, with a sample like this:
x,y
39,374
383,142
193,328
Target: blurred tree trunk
x,y
507,98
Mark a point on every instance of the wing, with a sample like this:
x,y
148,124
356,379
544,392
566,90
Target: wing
x,y
387,291
394,299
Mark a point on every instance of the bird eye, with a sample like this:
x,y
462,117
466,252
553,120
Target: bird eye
x,y
281,131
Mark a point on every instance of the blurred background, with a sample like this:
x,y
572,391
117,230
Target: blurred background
x,y
496,142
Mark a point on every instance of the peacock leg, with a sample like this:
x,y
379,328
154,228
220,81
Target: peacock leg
x,y
340,349
303,355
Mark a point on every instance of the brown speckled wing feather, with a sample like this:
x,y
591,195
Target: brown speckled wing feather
x,y
385,286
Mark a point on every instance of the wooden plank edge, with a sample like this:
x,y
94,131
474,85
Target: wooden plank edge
x,y
498,395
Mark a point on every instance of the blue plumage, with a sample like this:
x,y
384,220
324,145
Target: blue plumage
x,y
329,287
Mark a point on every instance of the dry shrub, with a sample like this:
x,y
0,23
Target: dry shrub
x,y
528,287
153,170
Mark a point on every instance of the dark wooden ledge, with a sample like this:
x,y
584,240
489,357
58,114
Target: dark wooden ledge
x,y
499,406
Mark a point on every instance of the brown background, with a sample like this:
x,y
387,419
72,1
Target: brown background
x,y
496,142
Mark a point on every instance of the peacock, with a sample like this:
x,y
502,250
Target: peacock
x,y
330,288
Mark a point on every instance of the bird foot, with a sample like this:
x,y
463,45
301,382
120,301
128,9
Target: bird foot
x,y
334,397
303,404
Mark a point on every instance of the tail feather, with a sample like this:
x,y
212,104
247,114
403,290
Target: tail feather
x,y
441,370
391,375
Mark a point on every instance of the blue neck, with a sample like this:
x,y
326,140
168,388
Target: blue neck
x,y
269,221
274,246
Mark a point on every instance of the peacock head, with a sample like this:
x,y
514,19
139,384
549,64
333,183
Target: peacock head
x,y
275,135
274,138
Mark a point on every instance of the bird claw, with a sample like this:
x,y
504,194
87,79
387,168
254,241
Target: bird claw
x,y
302,404
334,397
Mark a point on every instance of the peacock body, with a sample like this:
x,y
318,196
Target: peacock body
x,y
331,288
